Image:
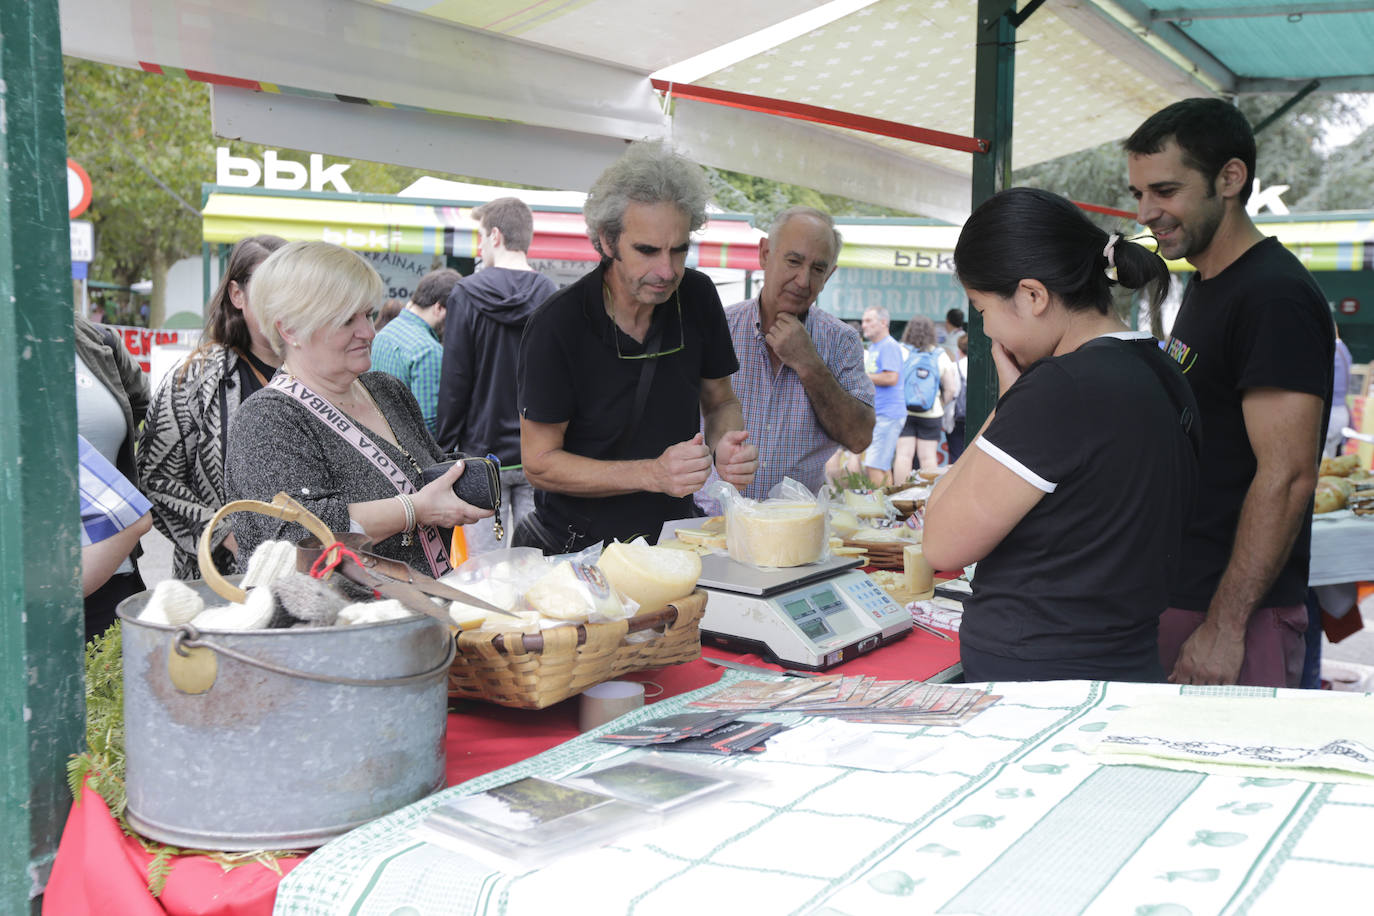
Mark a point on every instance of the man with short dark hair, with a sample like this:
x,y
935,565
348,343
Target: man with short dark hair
x,y
1255,342
620,371
801,380
487,313
408,346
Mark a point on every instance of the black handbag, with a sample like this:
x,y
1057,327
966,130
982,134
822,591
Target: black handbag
x,y
480,484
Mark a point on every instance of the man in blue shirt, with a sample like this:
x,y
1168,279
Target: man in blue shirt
x,y
888,402
408,346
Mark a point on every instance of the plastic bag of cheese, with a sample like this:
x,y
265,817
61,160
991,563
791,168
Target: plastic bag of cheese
x,y
499,578
543,591
787,529
651,576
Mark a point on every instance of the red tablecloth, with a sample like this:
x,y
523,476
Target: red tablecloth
x,y
99,870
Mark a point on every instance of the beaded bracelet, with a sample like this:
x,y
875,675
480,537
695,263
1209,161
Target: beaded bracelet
x,y
410,511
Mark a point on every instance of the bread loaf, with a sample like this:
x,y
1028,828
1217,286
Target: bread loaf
x,y
776,534
1341,466
1330,496
650,576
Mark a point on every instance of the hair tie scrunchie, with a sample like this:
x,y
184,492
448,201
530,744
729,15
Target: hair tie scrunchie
x,y
1109,252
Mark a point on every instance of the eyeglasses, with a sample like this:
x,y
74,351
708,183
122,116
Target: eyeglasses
x,y
681,342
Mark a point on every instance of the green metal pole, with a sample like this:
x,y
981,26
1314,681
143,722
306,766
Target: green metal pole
x,y
41,619
994,69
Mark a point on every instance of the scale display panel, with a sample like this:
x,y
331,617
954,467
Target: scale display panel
x,y
812,625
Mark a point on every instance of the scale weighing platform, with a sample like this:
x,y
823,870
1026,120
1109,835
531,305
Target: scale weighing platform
x,y
810,617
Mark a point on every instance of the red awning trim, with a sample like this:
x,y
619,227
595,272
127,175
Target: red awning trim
x,y
818,115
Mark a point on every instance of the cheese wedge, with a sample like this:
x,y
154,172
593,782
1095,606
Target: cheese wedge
x,y
651,576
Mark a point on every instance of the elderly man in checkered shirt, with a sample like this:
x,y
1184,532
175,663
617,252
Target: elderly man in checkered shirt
x,y
801,379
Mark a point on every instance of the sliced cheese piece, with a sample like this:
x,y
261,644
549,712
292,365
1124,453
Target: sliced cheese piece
x,y
865,505
849,551
675,544
700,537
650,576
776,534
715,524
465,616
844,522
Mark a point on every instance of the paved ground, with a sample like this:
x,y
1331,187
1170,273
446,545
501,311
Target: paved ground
x,y
156,565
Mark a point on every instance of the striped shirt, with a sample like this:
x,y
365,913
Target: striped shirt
x,y
777,411
408,349
109,503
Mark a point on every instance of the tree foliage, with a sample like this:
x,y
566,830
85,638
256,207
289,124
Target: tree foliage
x,y
1288,152
1347,182
146,141
737,192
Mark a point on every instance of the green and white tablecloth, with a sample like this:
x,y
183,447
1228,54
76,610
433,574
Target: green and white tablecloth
x,y
1012,817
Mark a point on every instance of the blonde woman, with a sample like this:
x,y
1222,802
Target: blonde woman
x,y
347,443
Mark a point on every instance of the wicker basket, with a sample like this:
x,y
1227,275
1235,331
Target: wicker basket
x,y
535,670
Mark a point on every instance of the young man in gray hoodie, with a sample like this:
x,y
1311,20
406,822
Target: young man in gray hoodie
x,y
486,317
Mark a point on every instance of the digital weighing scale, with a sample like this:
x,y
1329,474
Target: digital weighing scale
x,y
810,617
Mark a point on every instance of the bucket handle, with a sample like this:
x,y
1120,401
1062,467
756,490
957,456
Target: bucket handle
x,y
188,637
282,507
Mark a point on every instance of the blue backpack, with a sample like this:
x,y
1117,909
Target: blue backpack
x,y
921,379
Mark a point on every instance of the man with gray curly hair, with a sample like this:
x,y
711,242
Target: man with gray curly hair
x,y
618,370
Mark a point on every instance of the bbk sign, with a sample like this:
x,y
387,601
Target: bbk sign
x,y
278,174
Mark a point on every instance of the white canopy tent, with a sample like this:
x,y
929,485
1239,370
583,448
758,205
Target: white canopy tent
x,y
544,93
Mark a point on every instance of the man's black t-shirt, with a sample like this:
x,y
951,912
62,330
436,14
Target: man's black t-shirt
x,y
570,371
1260,323
1086,573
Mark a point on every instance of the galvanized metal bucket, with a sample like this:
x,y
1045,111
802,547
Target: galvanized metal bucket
x,y
278,739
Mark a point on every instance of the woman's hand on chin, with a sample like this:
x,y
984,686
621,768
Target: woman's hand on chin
x,y
435,503
1008,369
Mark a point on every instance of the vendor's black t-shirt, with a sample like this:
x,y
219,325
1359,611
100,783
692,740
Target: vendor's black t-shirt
x,y
1261,323
1085,574
570,372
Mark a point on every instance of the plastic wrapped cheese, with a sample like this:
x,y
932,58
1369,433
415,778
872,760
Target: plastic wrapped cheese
x,y
777,533
576,591
651,576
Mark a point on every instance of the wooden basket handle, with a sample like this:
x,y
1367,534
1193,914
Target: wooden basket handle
x,y
282,507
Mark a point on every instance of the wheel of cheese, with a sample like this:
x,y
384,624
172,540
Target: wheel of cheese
x,y
776,534
652,576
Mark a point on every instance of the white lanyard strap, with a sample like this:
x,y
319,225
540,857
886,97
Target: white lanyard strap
x,y
339,422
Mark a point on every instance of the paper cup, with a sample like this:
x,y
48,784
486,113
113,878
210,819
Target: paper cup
x,y
606,701
920,578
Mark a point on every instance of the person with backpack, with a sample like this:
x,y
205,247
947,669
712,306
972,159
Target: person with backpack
x,y
929,381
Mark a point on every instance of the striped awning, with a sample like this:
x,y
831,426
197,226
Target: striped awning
x,y
377,223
